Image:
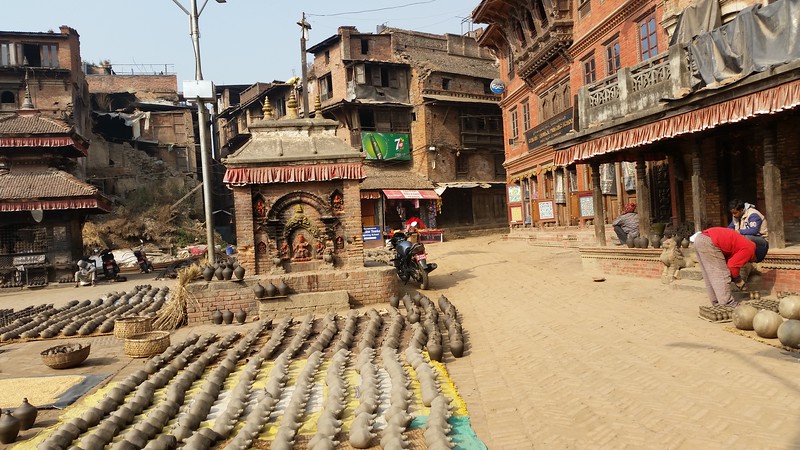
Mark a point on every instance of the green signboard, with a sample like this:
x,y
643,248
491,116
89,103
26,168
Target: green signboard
x,y
386,145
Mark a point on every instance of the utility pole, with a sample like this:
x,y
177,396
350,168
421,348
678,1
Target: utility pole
x,y
305,26
202,125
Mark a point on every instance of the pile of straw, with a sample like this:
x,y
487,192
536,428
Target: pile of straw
x,y
173,314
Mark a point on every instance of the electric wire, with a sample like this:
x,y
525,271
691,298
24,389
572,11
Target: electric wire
x,y
372,10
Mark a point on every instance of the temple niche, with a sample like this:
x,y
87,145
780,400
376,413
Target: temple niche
x,y
296,191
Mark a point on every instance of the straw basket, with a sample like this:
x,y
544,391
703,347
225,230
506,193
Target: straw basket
x,y
147,344
131,326
64,357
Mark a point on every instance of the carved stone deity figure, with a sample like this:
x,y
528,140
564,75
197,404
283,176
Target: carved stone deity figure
x,y
319,247
301,250
284,251
338,202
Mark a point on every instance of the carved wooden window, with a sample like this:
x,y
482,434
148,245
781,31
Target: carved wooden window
x,y
589,70
547,110
542,13
8,101
565,93
648,40
526,116
613,58
514,125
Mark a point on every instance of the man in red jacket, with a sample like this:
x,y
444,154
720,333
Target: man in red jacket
x,y
722,252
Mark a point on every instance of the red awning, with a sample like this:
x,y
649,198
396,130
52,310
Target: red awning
x,y
370,195
411,194
768,101
49,205
293,174
42,141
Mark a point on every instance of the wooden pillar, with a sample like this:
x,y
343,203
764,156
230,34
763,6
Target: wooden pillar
x,y
568,193
698,189
642,196
599,211
676,177
772,190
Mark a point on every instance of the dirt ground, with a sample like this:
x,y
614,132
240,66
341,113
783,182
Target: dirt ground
x,y
556,360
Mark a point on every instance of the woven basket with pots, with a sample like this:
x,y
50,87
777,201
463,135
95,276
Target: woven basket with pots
x,y
131,326
148,344
65,356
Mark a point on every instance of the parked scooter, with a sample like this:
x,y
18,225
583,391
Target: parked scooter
x,y
410,260
145,266
110,267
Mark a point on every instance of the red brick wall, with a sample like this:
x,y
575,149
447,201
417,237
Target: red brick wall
x,y
365,286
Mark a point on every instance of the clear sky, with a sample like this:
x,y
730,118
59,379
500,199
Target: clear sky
x,y
241,41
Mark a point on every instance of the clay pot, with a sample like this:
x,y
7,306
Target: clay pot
x,y
685,243
9,428
457,348
208,273
271,290
394,301
644,242
743,317
216,317
631,242
219,273
656,241
227,273
238,272
26,413
435,352
241,316
283,288
259,291
227,317
789,307
789,333
766,323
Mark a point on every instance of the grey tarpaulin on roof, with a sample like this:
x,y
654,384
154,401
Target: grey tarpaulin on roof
x,y
759,37
700,17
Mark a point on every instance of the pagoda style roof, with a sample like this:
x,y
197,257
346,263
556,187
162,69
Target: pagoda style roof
x,y
32,129
48,189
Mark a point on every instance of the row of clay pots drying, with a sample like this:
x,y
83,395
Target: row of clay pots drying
x,y
270,290
8,316
71,430
86,317
180,366
224,271
456,335
770,324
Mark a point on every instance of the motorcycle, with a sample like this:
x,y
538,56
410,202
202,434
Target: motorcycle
x,y
109,264
410,260
145,266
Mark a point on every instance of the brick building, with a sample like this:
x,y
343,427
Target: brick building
x,y
44,124
666,114
706,131
417,103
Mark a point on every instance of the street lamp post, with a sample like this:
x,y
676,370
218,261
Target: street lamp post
x,y
202,120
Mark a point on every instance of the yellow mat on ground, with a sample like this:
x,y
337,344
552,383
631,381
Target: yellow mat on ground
x,y
38,390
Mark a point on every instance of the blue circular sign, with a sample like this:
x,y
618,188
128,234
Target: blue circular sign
x,y
497,86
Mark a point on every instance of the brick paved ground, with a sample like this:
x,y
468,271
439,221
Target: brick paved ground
x,y
559,361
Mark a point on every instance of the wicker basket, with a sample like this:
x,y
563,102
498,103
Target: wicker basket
x,y
67,359
147,344
131,326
